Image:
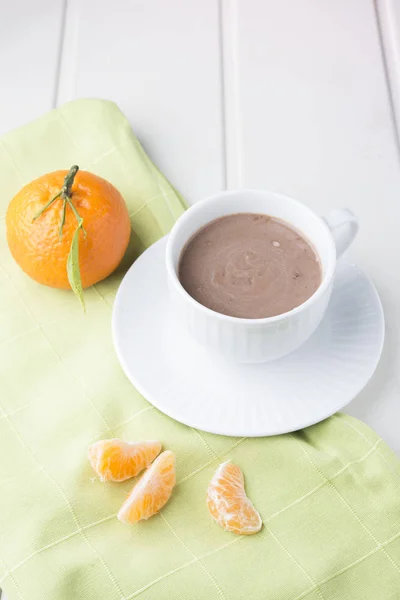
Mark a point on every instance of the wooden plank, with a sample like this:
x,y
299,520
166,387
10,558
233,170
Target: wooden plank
x,y
314,109
313,119
388,13
160,62
30,34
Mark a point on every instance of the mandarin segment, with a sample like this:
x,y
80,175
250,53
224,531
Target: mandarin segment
x,y
152,491
228,504
115,460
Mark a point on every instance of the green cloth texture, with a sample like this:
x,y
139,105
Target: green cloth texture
x,y
329,495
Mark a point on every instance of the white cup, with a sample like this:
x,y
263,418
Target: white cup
x,y
259,340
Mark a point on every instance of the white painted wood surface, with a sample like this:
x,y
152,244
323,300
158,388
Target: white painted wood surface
x,y
160,61
299,96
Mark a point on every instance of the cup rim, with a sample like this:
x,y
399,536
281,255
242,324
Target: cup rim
x,y
193,209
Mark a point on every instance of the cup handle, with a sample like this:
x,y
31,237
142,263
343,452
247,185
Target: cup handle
x,y
344,227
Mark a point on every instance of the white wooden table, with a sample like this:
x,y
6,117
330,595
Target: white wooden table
x,y
297,96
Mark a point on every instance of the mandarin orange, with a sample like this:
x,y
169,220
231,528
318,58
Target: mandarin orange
x,y
40,238
228,504
115,460
152,491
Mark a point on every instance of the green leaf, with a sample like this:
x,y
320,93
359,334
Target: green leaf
x,y
77,215
73,270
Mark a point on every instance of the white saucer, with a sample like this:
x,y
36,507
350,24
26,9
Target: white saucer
x,y
189,384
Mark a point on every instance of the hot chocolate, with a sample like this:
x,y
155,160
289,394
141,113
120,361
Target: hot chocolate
x,y
249,266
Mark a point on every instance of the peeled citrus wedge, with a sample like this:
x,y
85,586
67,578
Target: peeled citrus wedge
x,y
115,460
228,504
151,492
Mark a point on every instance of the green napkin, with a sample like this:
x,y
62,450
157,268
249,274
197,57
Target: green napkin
x,y
329,495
